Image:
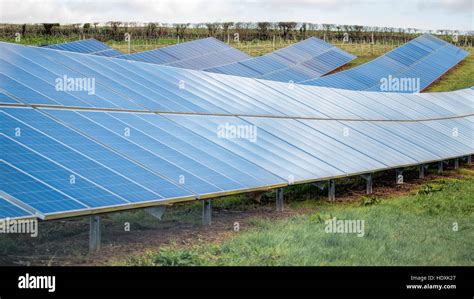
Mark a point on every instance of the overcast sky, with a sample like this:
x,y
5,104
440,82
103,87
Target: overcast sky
x,y
421,14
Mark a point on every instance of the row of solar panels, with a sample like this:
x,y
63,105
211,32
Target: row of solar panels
x,y
196,55
38,76
412,67
304,60
308,59
65,162
425,58
62,163
87,46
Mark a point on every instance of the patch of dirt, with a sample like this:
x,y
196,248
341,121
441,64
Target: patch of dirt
x,y
66,241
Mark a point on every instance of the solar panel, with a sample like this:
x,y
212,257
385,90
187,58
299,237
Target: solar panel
x,y
120,84
198,54
75,155
284,150
418,62
302,61
92,156
10,210
86,46
6,99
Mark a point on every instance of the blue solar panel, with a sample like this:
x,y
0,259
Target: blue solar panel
x,y
171,147
197,54
302,61
25,155
283,150
115,176
165,161
422,60
86,46
10,210
22,185
6,99
140,86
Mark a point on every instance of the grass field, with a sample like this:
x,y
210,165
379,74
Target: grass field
x,y
414,229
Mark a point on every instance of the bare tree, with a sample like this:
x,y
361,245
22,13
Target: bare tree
x,y
48,27
303,29
263,30
212,28
180,29
286,28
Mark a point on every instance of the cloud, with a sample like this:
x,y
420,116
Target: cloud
x,y
423,14
451,6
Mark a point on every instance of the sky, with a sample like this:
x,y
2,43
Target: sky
x,y
420,14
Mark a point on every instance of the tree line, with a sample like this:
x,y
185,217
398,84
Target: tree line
x,y
235,31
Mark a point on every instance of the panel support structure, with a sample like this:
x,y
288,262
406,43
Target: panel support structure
x,y
368,181
440,166
422,168
332,190
456,163
206,212
94,234
156,212
399,176
279,199
469,160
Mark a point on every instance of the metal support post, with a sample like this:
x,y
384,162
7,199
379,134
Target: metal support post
x,y
422,169
94,234
206,212
332,190
368,180
440,166
279,199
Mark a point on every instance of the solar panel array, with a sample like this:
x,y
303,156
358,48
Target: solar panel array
x,y
151,135
425,58
128,85
302,61
198,54
86,46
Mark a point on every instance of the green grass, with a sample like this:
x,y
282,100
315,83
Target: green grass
x,y
415,229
